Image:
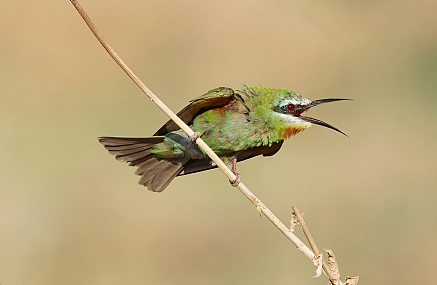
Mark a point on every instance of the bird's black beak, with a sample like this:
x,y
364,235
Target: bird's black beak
x,y
319,122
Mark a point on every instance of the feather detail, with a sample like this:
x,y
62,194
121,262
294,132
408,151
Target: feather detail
x,y
156,173
289,132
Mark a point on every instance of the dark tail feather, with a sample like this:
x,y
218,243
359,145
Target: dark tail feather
x,y
156,173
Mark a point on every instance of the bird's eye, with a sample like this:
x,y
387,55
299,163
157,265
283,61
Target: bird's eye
x,y
291,107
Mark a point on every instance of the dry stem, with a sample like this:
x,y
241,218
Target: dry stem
x,y
306,231
331,268
231,176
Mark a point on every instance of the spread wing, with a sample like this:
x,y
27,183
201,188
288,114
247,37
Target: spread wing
x,y
215,98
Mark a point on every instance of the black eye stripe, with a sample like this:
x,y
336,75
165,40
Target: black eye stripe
x,y
288,108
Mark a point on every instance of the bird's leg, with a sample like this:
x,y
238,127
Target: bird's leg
x,y
237,179
193,138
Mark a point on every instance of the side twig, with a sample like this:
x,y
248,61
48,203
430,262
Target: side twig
x,y
231,176
331,268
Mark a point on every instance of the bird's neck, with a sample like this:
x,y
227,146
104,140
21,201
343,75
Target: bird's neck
x,y
274,127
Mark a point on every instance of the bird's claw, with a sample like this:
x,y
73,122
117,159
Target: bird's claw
x,y
193,138
235,181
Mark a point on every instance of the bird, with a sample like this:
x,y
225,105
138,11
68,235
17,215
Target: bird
x,y
236,125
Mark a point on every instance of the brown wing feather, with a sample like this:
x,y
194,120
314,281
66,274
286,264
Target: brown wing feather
x,y
215,98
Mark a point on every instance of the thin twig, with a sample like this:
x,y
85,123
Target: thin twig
x,y
331,267
300,221
259,205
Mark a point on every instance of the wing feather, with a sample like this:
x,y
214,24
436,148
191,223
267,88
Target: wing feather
x,y
215,98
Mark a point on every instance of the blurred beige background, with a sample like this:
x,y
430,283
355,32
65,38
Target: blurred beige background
x,y
71,214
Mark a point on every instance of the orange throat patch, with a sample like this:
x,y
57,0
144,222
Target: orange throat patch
x,y
288,132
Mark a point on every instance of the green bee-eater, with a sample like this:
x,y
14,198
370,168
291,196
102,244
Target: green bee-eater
x,y
237,125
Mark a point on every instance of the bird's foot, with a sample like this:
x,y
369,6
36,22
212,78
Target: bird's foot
x,y
235,181
193,138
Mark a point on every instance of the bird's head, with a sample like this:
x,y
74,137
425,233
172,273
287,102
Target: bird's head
x,y
289,106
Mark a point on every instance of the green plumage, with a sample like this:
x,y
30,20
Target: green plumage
x,y
237,125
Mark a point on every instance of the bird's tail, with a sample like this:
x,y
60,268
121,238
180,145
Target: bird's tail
x,y
156,173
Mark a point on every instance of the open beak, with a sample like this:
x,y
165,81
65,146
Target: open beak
x,y
319,122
